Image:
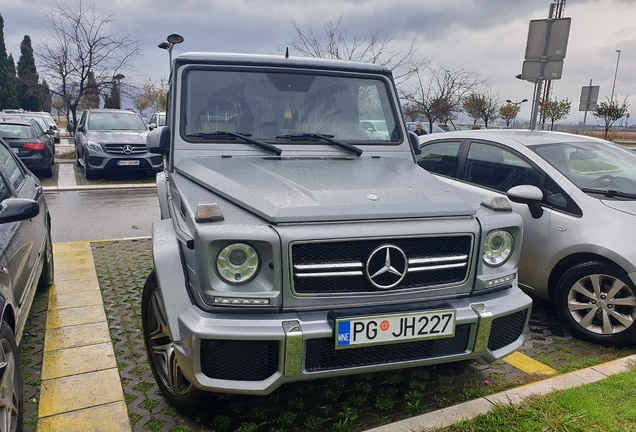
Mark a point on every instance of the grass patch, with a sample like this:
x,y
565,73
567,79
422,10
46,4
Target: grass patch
x,y
603,406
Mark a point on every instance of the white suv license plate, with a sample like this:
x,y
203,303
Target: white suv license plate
x,y
382,329
127,162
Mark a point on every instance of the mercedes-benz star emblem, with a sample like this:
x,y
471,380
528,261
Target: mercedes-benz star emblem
x,y
127,149
386,267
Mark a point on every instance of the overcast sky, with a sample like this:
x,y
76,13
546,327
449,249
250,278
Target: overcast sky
x,y
488,36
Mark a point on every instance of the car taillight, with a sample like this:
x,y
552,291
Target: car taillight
x,y
33,146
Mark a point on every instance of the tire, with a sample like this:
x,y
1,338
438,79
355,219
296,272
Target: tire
x,y
48,268
160,351
11,403
597,301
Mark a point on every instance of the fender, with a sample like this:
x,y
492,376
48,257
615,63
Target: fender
x,y
168,265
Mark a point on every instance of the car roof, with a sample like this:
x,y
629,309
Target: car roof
x,y
520,136
18,122
210,58
111,110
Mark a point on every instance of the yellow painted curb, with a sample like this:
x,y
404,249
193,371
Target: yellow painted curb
x,y
528,364
81,387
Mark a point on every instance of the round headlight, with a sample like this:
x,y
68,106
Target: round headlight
x,y
237,263
498,247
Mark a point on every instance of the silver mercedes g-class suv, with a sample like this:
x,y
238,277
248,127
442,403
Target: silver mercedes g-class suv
x,y
295,244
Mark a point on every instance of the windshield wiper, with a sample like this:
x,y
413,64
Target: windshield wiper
x,y
245,137
328,138
610,193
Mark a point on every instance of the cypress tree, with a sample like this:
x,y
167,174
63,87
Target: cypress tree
x,y
12,81
28,80
8,95
45,97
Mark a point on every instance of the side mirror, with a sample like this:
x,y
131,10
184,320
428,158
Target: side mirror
x,y
158,140
415,143
529,195
80,129
17,209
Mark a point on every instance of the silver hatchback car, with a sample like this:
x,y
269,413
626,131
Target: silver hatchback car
x,y
577,197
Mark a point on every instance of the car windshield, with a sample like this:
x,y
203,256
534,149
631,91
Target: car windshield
x,y
596,168
267,105
115,121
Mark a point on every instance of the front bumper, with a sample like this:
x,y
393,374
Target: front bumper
x,y
99,161
256,353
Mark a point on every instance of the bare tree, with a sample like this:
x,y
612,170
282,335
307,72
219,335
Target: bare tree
x,y
82,43
437,92
335,42
610,112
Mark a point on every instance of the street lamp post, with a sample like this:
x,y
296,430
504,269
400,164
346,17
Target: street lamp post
x,y
615,73
516,104
172,40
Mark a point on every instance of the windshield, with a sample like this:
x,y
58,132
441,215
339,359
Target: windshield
x,y
267,105
115,121
593,167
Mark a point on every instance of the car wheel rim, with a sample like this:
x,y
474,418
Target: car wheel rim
x,y
162,349
8,389
602,304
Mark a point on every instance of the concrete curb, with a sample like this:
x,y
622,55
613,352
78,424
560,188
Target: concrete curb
x,y
471,409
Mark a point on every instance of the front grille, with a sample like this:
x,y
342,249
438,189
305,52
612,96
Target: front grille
x,y
340,267
245,360
125,149
321,354
506,330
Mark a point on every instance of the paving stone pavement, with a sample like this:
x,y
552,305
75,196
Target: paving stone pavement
x,y
366,400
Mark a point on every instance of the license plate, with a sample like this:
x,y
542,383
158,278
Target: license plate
x,y
127,162
382,329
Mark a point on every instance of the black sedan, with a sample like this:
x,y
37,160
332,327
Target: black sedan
x,y
34,150
26,261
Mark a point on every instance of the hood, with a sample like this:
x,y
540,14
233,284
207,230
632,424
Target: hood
x,y
327,189
628,207
118,137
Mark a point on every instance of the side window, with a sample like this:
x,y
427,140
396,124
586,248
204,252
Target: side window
x,y
12,170
499,169
440,157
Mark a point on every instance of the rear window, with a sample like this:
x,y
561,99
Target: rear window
x,y
15,131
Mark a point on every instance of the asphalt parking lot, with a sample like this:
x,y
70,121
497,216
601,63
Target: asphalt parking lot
x,y
356,403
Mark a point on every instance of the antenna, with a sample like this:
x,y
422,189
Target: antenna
x,y
287,52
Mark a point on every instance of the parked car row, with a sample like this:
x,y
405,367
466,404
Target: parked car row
x,y
26,261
